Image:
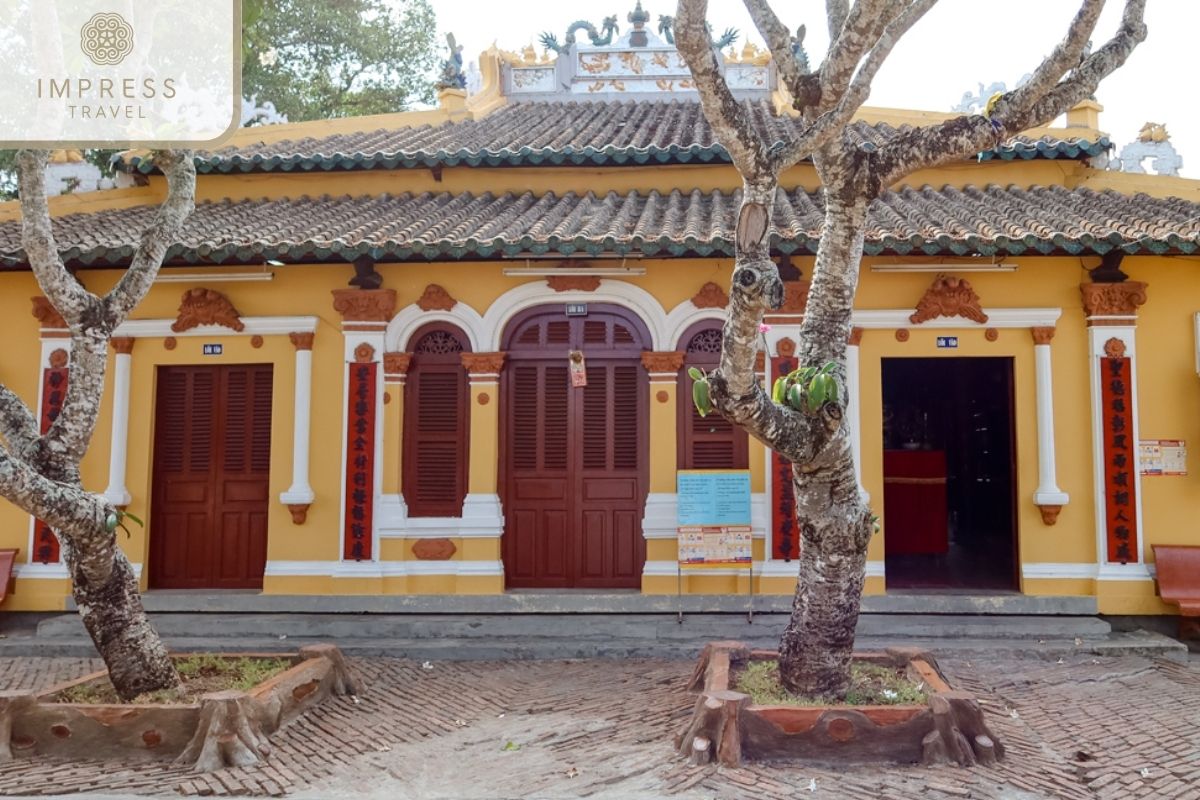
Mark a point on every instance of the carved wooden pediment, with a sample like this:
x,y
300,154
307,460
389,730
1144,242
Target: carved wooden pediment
x,y
949,296
710,296
1113,299
795,297
576,283
206,307
46,313
436,298
365,305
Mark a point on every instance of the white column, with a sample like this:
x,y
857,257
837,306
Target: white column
x,y
117,493
1048,496
853,409
300,493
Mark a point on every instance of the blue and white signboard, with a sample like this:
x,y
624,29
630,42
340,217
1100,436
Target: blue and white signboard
x,y
713,497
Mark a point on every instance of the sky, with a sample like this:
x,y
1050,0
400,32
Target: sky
x,y
955,47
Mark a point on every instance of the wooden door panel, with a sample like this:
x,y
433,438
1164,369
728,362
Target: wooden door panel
x,y
211,477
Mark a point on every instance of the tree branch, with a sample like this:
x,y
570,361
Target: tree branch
x,y
803,84
858,34
835,13
962,137
17,423
62,506
856,94
65,293
180,169
730,123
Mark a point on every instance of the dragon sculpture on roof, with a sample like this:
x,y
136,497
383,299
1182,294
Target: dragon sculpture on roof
x,y
608,26
666,28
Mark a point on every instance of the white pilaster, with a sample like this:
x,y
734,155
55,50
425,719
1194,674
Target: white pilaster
x,y
1048,493
117,493
300,492
854,407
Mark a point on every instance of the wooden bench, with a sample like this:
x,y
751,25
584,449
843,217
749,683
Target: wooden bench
x,y
1178,573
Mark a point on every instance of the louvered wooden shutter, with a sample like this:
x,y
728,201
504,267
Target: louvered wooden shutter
x,y
710,442
435,426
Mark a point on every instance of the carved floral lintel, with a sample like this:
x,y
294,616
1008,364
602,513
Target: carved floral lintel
x,y
949,296
710,296
573,283
436,298
202,306
795,297
483,363
1042,334
1112,299
396,363
365,305
662,362
45,313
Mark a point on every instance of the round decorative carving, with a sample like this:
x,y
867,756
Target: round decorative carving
x,y
256,341
662,396
786,348
364,353
484,398
1114,348
169,343
433,549
840,729
991,334
902,334
387,398
58,359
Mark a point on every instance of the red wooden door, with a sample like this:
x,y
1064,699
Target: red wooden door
x,y
574,459
212,453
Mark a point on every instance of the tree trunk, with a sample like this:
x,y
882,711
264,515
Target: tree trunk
x,y
114,617
835,525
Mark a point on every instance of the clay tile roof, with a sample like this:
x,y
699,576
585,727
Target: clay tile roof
x,y
532,134
987,221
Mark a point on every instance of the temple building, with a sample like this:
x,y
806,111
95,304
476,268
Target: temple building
x,y
446,351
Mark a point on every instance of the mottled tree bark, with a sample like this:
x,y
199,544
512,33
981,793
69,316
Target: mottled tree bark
x,y
834,521
40,473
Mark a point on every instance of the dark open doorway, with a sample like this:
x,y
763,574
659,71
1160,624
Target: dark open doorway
x,y
949,473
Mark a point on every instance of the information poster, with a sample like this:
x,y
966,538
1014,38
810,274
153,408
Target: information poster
x,y
714,544
1163,456
713,497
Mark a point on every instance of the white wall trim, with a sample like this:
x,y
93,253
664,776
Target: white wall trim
x,y
778,568
254,326
381,569
482,518
56,571
997,318
1044,570
537,293
658,569
411,317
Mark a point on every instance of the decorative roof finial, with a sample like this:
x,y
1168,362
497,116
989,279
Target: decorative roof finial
x,y
638,18
452,75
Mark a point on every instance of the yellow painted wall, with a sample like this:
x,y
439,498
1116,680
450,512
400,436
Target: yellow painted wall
x,y
1167,380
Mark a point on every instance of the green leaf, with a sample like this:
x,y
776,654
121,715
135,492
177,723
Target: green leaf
x,y
779,390
111,522
134,518
696,374
701,398
510,746
795,397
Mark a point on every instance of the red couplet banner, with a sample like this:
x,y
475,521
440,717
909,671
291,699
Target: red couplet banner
x,y
1120,460
785,537
54,394
360,461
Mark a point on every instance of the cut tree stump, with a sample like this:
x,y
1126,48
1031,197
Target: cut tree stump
x,y
229,734
714,730
960,735
343,677
11,702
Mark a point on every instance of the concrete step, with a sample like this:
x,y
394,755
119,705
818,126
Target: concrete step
x,y
606,628
574,602
520,648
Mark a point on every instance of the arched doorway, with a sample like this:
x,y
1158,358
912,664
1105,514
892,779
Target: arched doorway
x,y
573,458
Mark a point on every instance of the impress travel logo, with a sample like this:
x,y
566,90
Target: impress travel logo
x,y
113,73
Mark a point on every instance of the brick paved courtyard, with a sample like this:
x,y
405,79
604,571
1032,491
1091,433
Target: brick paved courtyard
x,y
1084,728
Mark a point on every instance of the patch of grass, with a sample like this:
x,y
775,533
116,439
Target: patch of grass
x,y
200,673
870,685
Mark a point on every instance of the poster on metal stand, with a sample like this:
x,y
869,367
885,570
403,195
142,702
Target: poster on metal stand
x,y
714,526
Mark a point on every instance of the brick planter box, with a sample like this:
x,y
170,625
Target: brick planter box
x,y
727,727
227,728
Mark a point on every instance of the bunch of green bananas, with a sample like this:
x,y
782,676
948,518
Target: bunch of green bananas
x,y
806,389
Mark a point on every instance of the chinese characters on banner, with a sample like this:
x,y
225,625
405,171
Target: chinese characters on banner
x,y
785,538
54,393
360,461
1120,459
